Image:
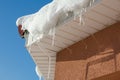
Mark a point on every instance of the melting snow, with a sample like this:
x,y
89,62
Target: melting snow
x,y
45,21
50,16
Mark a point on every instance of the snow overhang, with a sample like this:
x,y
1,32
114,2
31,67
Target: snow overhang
x,y
69,32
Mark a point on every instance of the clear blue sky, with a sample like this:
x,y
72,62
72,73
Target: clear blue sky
x,y
15,61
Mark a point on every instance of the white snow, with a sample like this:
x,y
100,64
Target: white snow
x,y
45,21
51,15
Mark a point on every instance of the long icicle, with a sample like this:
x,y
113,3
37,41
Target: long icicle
x,y
53,36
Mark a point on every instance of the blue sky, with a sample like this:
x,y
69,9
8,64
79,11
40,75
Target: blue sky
x,y
15,61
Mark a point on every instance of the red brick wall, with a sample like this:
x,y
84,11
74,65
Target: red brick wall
x,y
93,57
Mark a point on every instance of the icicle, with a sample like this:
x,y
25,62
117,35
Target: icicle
x,y
85,10
29,49
80,18
66,13
91,2
53,36
81,21
75,16
46,18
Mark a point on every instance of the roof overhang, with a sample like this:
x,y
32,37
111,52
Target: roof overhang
x,y
99,17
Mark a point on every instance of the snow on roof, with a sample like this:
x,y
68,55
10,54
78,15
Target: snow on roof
x,y
51,15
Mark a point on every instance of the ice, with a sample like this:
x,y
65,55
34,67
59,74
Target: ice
x,y
47,18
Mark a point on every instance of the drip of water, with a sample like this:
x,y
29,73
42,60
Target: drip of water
x,y
53,36
29,49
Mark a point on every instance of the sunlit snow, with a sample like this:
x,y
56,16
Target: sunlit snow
x,y
50,16
47,18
